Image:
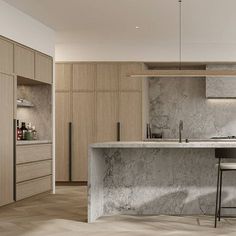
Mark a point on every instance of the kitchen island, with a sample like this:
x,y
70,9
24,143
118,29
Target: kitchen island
x,y
151,178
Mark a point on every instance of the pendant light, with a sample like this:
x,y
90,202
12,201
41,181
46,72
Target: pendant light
x,y
181,72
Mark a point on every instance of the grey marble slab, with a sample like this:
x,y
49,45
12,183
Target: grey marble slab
x,y
166,144
152,180
175,99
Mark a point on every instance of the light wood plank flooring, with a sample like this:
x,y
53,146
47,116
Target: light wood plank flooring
x,y
64,214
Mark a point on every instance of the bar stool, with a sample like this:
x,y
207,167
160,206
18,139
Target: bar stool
x,y
222,153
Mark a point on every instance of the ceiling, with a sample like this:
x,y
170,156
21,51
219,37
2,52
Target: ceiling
x,y
213,20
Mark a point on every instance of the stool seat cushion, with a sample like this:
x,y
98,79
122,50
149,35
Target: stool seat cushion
x,y
229,166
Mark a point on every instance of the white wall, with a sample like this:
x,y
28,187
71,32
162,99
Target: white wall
x,y
21,28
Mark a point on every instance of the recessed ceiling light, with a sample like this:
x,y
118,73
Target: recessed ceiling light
x,y
137,27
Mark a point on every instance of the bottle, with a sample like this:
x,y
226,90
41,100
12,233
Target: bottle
x,y
23,130
34,133
18,131
29,134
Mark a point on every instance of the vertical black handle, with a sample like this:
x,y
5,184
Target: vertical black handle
x,y
118,131
14,159
70,151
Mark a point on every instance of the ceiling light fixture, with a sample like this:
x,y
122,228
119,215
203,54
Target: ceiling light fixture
x,y
181,72
137,27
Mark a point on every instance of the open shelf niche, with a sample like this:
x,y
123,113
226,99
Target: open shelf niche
x,y
36,107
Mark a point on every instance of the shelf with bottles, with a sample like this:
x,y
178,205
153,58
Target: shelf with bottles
x,y
25,132
34,108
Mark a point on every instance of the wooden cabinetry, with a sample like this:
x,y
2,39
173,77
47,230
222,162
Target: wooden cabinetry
x,y
24,61
6,56
32,161
33,187
62,114
107,77
82,133
43,68
130,116
63,77
33,169
84,75
99,97
6,139
126,83
106,116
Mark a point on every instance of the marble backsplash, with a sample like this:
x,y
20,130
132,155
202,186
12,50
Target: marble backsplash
x,y
41,114
175,99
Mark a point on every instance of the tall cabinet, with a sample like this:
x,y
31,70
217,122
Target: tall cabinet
x,y
25,167
94,97
6,138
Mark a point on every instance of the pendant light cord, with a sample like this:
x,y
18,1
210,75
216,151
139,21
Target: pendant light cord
x,y
180,34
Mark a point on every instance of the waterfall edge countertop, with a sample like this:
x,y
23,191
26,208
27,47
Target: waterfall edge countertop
x,y
154,177
168,144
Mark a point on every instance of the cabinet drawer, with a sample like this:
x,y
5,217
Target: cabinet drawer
x,y
30,153
33,187
33,170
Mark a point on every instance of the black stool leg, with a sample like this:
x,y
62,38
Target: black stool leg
x,y
217,193
220,194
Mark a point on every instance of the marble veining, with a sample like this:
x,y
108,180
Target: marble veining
x,y
174,99
167,144
153,181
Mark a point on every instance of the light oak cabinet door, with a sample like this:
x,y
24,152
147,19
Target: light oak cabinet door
x,y
43,68
84,75
6,139
106,116
24,61
126,83
62,115
107,76
82,133
130,116
6,56
63,77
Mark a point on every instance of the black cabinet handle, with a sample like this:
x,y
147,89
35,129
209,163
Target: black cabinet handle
x,y
70,151
14,159
118,131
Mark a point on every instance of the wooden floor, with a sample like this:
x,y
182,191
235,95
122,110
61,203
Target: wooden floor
x,y
64,214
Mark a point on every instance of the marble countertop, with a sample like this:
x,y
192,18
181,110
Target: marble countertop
x,y
167,144
30,142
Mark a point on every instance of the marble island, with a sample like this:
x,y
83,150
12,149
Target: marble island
x,y
151,178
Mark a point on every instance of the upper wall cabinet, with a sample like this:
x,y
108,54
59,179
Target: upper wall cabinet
x,y
221,87
43,68
6,56
127,83
107,76
24,61
63,76
84,75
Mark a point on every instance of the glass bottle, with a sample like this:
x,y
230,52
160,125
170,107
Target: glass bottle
x,y
23,130
18,131
34,133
